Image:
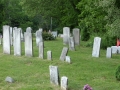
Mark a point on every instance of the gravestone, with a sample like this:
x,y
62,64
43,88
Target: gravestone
x,y
40,29
49,55
109,52
11,36
63,53
41,50
22,36
9,79
0,39
71,44
115,49
76,36
67,59
66,35
17,42
29,29
6,39
96,47
38,37
14,29
54,33
28,44
64,83
54,75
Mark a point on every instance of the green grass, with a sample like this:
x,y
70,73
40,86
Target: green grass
x,y
32,73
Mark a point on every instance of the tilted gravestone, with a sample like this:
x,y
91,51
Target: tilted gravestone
x,y
63,53
41,50
71,44
76,36
64,83
28,44
66,35
6,39
109,52
96,47
49,55
54,75
38,37
17,42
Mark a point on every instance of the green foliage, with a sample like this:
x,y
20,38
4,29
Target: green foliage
x,y
48,36
117,74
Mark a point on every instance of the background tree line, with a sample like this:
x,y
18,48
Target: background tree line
x,y
92,17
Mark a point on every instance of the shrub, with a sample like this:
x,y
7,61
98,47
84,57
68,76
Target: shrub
x,y
117,74
47,36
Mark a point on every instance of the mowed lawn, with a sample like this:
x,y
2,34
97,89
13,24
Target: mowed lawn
x,y
32,73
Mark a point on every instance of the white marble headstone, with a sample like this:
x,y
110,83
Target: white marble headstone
x,y
109,52
76,36
64,83
49,55
41,50
66,35
63,53
71,44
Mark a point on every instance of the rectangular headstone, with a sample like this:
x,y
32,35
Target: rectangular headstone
x,y
29,29
109,52
54,75
64,53
6,39
67,59
54,33
17,42
66,35
28,44
49,55
71,44
41,50
11,36
96,47
76,36
14,29
64,83
114,49
39,37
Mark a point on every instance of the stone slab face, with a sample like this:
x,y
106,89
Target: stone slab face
x,y
0,39
64,83
71,44
39,37
6,39
115,49
28,44
41,50
54,33
54,75
49,55
14,29
76,36
17,42
64,53
109,52
29,29
67,59
66,35
96,47
11,36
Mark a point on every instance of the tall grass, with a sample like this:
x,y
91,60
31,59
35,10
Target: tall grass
x,y
32,73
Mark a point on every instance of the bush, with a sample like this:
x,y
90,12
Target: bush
x,y
47,36
117,74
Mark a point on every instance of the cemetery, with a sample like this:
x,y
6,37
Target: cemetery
x,y
59,44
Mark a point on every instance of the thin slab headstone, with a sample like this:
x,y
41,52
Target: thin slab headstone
x,y
64,83
67,59
76,36
17,42
41,50
54,75
14,29
66,35
49,55
63,53
114,49
29,29
96,47
11,36
54,33
0,39
71,44
6,39
28,44
109,52
39,37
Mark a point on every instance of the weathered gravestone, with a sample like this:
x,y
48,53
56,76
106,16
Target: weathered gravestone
x,y
14,29
6,39
38,37
96,47
54,33
17,42
49,55
9,79
66,35
71,44
67,59
64,83
0,39
29,29
54,75
115,49
109,52
64,53
28,44
76,36
11,36
41,50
